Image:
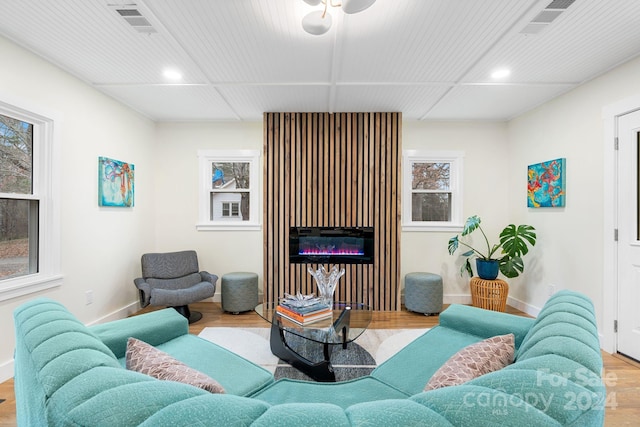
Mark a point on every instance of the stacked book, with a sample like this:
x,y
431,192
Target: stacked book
x,y
305,314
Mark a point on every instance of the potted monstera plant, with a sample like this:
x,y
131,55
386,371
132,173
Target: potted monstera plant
x,y
504,256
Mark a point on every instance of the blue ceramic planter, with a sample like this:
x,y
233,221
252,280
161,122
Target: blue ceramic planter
x,y
487,269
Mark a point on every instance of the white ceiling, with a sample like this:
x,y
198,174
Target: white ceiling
x,y
429,59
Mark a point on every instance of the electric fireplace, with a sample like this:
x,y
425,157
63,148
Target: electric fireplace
x,y
331,245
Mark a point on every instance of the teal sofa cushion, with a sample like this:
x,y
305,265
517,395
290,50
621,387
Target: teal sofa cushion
x,y
405,413
237,375
154,328
564,369
544,391
469,405
485,323
209,410
303,414
424,355
129,401
168,331
343,394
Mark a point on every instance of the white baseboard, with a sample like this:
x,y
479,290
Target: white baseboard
x,y
531,310
217,297
6,371
457,299
118,314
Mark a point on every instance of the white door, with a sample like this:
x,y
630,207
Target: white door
x,y
629,235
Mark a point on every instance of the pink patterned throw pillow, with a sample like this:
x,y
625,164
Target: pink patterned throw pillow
x,y
146,359
473,361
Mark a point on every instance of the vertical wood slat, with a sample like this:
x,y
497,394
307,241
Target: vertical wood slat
x,y
377,282
340,169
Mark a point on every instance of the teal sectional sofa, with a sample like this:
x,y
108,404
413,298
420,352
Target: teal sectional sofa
x,y
67,374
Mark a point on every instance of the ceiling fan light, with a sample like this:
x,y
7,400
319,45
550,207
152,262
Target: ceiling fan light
x,y
355,6
314,23
312,2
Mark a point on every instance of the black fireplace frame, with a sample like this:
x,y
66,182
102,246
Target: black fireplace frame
x,y
364,233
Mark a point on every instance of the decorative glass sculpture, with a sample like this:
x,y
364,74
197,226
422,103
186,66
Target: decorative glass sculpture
x,y
300,300
326,282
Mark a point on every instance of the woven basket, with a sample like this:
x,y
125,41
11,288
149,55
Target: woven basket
x,y
489,294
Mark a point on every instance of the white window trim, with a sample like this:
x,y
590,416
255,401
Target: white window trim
x,y
456,159
46,188
205,157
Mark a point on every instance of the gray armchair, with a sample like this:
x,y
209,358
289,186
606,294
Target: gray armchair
x,y
173,279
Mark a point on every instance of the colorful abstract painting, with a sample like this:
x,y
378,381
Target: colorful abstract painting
x,y
546,184
115,182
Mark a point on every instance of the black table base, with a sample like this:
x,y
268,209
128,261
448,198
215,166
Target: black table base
x,y
320,371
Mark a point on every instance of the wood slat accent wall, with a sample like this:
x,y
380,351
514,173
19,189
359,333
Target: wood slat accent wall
x,y
325,169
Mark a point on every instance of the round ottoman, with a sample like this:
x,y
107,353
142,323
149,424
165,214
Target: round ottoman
x,y
239,292
423,293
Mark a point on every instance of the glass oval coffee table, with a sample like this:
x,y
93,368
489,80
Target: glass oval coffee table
x,y
348,322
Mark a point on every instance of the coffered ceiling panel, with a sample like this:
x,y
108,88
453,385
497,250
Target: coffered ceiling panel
x,y
248,41
235,59
411,100
251,101
175,103
438,41
486,102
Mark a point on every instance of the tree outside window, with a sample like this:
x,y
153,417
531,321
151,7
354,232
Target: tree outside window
x,y
430,192
18,210
432,196
29,200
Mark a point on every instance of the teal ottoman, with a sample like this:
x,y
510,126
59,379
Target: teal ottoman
x,y
423,293
239,292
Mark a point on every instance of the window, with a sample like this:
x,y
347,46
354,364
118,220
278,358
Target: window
x,y
432,190
230,209
229,189
29,225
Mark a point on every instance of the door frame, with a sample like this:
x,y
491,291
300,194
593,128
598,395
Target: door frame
x,y
610,114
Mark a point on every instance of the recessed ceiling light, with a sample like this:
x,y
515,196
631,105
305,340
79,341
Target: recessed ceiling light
x,y
501,73
172,74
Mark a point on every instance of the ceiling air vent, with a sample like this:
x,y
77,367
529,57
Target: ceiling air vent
x,y
136,20
560,4
546,16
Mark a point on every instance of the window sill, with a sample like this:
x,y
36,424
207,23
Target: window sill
x,y
13,288
229,227
449,227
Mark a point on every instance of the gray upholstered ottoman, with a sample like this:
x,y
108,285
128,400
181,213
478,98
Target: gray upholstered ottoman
x,y
423,293
239,292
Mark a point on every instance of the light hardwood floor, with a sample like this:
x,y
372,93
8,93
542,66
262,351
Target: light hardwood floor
x,y
622,375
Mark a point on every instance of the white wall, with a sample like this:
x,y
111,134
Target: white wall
x,y
486,168
570,239
176,186
101,247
